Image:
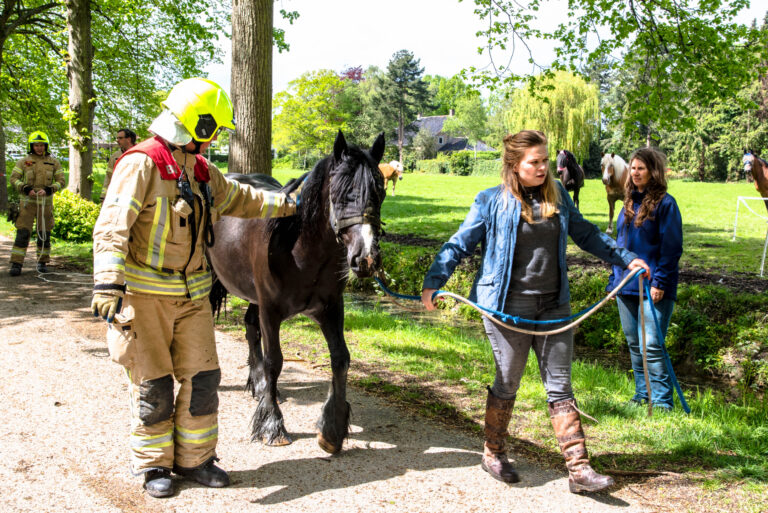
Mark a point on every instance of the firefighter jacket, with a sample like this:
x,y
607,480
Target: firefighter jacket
x,y
110,169
149,240
37,172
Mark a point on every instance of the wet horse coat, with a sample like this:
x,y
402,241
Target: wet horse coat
x,y
571,173
299,265
615,171
391,172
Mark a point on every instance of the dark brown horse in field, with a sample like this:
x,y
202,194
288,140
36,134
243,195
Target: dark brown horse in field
x,y
299,265
759,169
571,173
614,173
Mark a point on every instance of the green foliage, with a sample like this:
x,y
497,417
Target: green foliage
x,y
486,168
686,52
566,112
433,166
75,217
470,121
446,93
461,163
308,115
424,144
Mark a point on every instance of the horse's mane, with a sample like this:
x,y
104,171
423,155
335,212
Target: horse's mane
x,y
312,215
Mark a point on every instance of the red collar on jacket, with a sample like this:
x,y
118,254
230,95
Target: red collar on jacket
x,y
161,155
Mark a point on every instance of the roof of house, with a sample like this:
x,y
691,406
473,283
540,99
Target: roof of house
x,y
435,125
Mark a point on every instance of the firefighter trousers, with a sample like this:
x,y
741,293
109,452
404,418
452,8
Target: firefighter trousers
x,y
158,339
29,211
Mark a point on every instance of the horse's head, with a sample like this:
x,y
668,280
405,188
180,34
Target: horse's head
x,y
749,161
606,166
561,161
356,193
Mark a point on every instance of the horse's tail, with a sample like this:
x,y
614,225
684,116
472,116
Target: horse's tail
x,y
218,297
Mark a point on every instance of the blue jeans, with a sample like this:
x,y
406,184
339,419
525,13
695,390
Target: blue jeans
x,y
661,382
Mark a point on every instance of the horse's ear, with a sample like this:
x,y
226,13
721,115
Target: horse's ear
x,y
602,154
377,150
613,155
339,146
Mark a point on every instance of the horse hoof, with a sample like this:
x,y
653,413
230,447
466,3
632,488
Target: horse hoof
x,y
277,441
327,446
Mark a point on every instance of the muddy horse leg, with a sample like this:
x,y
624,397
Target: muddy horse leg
x,y
394,183
576,196
333,425
256,382
267,422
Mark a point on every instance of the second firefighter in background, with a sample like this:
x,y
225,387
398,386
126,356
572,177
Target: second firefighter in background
x,y
149,254
37,177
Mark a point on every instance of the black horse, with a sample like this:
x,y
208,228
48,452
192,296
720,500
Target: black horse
x,y
570,173
299,265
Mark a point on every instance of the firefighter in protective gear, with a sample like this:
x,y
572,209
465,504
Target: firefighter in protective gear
x,y
126,139
37,177
152,280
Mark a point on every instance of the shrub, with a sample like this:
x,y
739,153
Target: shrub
x,y
75,217
461,163
433,166
487,168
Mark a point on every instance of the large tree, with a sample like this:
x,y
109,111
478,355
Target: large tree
x,y
81,98
566,111
308,114
403,93
470,121
683,49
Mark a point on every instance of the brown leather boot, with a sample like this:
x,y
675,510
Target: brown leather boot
x,y
497,415
567,423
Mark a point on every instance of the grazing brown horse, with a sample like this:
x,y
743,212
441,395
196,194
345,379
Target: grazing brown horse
x,y
299,265
614,173
759,169
392,172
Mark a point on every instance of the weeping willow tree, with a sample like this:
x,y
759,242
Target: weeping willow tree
x,y
566,110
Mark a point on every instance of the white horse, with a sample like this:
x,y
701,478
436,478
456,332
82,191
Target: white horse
x,y
614,173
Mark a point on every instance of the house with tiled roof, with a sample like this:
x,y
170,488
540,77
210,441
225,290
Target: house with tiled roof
x,y
445,142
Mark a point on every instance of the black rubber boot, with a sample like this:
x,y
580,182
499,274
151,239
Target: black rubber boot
x,y
42,268
207,474
15,269
158,483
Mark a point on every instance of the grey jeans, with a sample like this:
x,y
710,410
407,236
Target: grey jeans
x,y
553,352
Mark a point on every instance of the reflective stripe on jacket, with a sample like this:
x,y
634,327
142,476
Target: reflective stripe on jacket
x,y
143,239
37,172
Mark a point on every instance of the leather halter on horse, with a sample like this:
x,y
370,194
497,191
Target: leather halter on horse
x,y
367,216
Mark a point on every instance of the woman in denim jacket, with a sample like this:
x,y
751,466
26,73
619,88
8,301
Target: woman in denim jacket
x,y
650,225
523,226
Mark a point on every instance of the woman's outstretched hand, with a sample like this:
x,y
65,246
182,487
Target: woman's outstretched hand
x,y
640,263
426,298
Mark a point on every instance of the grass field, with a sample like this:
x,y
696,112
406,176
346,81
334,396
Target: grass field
x,y
441,368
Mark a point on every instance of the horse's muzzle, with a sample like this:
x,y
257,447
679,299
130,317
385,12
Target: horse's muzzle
x,y
366,267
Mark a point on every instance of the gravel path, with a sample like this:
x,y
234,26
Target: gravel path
x,y
65,445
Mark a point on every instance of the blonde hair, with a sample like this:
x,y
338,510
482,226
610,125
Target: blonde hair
x,y
515,147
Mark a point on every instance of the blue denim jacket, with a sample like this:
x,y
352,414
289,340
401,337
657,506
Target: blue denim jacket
x,y
658,241
493,222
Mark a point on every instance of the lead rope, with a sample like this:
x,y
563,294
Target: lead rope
x,y
641,309
79,278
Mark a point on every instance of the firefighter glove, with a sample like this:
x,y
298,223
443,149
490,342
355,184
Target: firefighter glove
x,y
48,191
106,306
26,190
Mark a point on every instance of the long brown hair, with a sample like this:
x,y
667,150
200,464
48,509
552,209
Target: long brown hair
x,y
656,163
515,147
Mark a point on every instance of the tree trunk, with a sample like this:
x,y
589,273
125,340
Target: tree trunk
x,y
3,170
400,136
250,150
81,98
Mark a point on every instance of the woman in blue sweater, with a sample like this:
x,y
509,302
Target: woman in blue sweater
x,y
523,226
650,226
